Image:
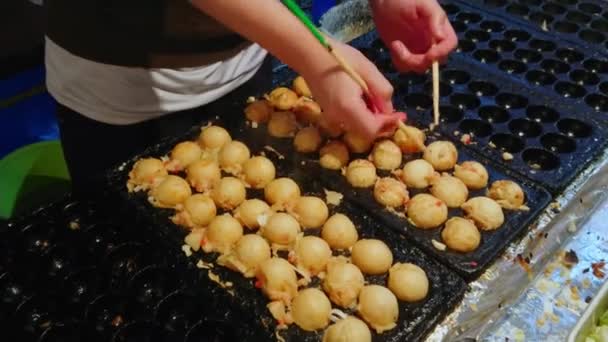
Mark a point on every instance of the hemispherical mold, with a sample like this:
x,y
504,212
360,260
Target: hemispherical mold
x,y
541,18
209,330
558,143
413,79
475,128
577,17
140,331
486,56
464,101
542,114
378,44
567,2
483,88
554,66
528,56
455,76
542,45
459,26
596,65
603,87
36,314
531,2
494,114
83,286
525,128
598,102
465,45
150,285
584,77
591,36
507,143
64,333
567,89
539,159
495,3
418,101
517,9
539,77
600,25
107,313
511,101
502,45
517,35
178,312
12,293
574,128
569,55
553,8
445,89
477,36
468,17
450,114
512,66
492,26
450,9
590,8
565,27
126,260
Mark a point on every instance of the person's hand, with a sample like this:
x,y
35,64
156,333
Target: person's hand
x,y
416,31
343,101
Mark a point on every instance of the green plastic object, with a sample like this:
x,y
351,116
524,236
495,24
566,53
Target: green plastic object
x,y
32,176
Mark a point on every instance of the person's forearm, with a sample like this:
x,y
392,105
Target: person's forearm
x,y
274,27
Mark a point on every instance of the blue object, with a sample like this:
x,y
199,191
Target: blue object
x,y
319,7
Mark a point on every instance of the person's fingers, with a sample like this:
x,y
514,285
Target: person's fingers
x,y
404,60
387,123
360,119
379,87
437,22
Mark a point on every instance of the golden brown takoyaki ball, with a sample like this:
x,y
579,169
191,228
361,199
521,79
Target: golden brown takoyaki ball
x,y
213,137
232,156
386,155
203,174
350,329
343,282
278,280
485,212
307,111
507,193
409,139
361,173
250,211
258,111
258,172
378,306
312,254
170,192
461,235
334,155
281,229
282,98
472,174
418,174
229,193
330,128
408,282
307,140
339,232
300,86
441,154
198,211
184,154
426,211
311,212
251,251
311,309
145,173
356,143
390,192
282,125
372,256
282,193
451,190
223,233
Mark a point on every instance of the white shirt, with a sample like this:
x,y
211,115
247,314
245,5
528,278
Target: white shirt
x,y
121,95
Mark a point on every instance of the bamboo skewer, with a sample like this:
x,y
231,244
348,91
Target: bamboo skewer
x,y
435,94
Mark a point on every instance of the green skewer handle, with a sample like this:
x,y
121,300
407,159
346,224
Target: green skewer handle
x,y
297,11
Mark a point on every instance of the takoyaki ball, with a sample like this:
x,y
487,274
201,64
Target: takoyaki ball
x,y
485,212
223,233
427,211
203,174
390,192
350,329
461,235
282,193
356,143
311,212
229,193
170,192
408,282
198,211
441,154
249,213
184,154
282,98
378,306
372,256
307,111
278,280
361,173
386,155
281,229
307,140
300,86
409,139
311,309
145,173
312,254
251,251
343,282
258,111
330,128
451,190
334,155
418,174
339,232
472,174
507,193
213,137
232,156
282,125
258,172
